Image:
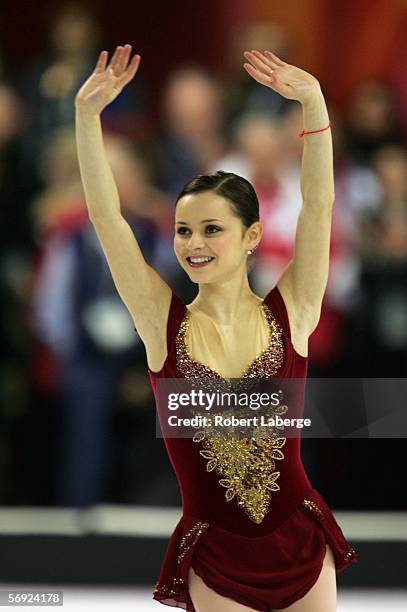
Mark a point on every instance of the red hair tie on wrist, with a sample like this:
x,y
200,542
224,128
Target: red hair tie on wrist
x,y
301,134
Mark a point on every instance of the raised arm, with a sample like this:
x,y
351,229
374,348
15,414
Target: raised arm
x,y
303,282
141,288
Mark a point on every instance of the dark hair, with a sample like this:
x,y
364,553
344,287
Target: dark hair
x,y
236,189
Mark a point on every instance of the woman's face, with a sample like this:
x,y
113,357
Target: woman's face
x,y
205,226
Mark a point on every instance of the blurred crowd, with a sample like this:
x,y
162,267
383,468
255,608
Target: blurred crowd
x,y
77,412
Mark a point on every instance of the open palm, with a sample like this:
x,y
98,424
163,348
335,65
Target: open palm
x,y
105,83
287,80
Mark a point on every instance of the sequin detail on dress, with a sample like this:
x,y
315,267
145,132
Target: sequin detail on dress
x,y
314,508
264,365
246,465
317,512
176,589
190,539
350,554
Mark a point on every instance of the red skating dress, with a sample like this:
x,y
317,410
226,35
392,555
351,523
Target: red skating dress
x,y
261,546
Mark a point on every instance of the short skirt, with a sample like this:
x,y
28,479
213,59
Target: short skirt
x,y
271,571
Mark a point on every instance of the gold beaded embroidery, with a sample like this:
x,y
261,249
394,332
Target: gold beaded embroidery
x,y
247,465
190,538
351,553
264,365
176,589
314,508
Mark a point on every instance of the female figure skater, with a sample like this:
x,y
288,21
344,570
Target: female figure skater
x,y
254,534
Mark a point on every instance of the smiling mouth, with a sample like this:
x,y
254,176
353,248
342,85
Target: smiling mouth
x,y
200,264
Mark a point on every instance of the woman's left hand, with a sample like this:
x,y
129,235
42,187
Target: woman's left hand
x,y
289,81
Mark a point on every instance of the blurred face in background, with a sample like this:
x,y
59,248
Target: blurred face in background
x,y
222,239
192,105
372,110
259,139
129,171
11,114
59,160
258,35
390,163
74,31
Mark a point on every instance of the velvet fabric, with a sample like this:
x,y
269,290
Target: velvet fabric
x,y
267,565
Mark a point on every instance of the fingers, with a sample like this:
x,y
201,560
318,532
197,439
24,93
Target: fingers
x,y
265,68
131,70
120,58
118,63
115,61
101,63
259,75
274,58
133,66
272,81
257,62
271,63
124,58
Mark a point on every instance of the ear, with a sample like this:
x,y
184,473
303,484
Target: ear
x,y
254,234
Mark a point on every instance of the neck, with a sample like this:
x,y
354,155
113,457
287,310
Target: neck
x,y
225,301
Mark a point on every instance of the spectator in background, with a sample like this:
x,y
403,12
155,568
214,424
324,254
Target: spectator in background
x,y
14,259
14,234
259,157
61,202
50,83
13,214
149,203
377,325
190,139
241,96
79,316
372,121
267,151
54,213
381,315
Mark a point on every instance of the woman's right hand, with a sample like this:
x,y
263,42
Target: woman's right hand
x,y
105,83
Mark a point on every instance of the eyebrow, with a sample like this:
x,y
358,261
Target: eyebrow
x,y
204,221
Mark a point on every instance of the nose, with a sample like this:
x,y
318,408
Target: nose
x,y
195,242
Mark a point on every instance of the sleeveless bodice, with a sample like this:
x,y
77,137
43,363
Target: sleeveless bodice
x,y
228,350
249,506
